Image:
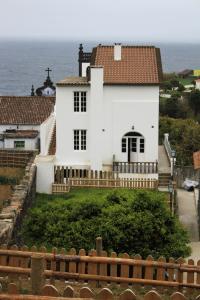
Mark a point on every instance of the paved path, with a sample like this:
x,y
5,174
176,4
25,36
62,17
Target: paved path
x,y
188,214
163,162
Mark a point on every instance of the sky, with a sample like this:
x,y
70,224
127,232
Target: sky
x,y
101,20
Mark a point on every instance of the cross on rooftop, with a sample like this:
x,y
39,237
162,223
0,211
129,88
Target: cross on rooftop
x,y
48,70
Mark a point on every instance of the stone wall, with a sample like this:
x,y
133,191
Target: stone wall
x,y
14,210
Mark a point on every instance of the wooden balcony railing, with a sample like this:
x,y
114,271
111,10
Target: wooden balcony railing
x,y
136,167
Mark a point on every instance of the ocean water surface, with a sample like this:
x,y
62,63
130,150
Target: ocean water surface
x,y
23,63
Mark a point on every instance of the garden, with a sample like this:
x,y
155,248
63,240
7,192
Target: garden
x,y
132,221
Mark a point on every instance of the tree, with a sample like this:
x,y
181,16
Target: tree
x,y
194,101
166,85
184,136
181,88
171,107
174,82
128,221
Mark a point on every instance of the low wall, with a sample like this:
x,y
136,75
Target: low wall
x,y
14,210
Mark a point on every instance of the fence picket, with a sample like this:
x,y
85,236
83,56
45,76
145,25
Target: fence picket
x,y
198,274
92,268
161,270
149,269
86,292
81,265
137,270
171,272
105,294
50,290
178,296
63,263
152,295
124,271
103,267
127,295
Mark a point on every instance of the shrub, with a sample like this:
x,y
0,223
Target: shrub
x,y
184,136
128,221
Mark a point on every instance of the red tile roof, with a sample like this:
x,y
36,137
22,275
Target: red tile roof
x,y
52,146
25,110
138,64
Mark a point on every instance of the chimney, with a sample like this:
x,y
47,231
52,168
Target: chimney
x,y
117,51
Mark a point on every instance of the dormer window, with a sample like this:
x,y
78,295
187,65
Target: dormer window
x,y
80,102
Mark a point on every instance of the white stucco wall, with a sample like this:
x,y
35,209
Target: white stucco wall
x,y
122,108
45,173
30,144
84,68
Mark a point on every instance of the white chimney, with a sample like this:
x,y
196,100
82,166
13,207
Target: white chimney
x,y
117,52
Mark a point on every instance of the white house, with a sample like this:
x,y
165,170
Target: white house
x,y
107,118
23,120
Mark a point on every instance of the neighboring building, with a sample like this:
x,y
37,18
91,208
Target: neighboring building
x,y
185,73
197,84
22,119
107,115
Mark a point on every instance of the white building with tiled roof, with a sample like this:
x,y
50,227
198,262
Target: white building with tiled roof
x,y
23,121
107,118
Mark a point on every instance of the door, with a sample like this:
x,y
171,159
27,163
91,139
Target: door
x,y
136,149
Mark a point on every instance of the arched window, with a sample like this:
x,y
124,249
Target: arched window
x,y
134,141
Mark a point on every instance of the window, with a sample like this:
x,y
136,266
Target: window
x,y
141,145
134,145
79,139
80,104
19,144
123,145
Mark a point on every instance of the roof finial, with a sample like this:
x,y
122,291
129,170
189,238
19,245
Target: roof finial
x,y
48,71
32,90
81,48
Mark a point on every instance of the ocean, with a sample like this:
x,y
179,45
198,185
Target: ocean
x,y
23,63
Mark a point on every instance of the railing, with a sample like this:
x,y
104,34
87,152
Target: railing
x,y
136,167
170,153
97,268
105,183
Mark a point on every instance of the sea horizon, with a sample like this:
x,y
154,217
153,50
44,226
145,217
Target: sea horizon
x,y
23,62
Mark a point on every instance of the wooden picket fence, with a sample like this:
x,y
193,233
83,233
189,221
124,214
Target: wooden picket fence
x,y
97,267
50,292
65,178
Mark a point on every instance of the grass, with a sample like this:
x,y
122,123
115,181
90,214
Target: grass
x,y
78,194
185,81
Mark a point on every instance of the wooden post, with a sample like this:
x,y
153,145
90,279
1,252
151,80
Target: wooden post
x,y
37,274
99,252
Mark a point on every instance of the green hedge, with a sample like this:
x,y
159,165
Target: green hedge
x,y
128,221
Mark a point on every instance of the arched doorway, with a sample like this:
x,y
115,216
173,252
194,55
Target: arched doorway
x,y
133,143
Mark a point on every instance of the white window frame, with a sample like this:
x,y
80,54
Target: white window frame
x,y
80,102
80,140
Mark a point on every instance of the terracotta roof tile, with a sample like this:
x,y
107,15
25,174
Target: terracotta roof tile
x,y
25,110
73,81
138,64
